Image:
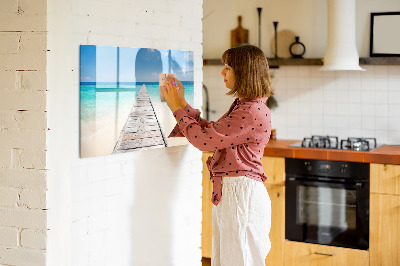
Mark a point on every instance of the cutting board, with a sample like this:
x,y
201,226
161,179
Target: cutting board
x,y
239,35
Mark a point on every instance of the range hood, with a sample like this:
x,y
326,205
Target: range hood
x,y
341,51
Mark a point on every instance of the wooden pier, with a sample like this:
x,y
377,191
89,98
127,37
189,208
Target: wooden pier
x,y
142,129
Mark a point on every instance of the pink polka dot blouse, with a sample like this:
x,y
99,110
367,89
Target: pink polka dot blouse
x,y
238,139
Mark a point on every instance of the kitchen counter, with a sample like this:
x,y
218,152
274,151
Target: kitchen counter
x,y
384,207
389,154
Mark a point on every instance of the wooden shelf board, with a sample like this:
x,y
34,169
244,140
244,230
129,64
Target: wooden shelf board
x,y
380,61
273,62
295,61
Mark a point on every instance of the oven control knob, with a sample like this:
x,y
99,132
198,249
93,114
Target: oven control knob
x,y
308,166
343,168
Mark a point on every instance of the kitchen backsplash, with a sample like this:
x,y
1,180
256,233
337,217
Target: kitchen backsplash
x,y
314,102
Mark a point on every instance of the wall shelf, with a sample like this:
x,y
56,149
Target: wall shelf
x,y
274,63
380,61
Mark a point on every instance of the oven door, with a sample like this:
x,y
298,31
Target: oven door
x,y
327,213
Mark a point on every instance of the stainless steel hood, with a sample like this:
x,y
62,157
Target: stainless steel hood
x,y
341,51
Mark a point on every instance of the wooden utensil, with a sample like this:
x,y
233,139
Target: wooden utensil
x,y
239,35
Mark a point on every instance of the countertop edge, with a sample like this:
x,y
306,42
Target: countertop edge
x,y
386,154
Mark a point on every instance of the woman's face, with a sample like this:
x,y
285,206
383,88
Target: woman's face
x,y
229,76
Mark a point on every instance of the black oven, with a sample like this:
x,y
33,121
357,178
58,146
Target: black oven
x,y
327,202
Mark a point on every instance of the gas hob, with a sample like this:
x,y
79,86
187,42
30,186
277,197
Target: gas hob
x,y
332,142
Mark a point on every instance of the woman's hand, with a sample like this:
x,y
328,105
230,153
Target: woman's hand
x,y
171,94
181,91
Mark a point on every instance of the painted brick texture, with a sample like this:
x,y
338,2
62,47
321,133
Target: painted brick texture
x,y
33,239
9,237
23,126
121,209
8,197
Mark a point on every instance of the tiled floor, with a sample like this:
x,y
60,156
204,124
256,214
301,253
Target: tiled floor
x,y
206,261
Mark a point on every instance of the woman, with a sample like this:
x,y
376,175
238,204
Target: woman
x,y
242,209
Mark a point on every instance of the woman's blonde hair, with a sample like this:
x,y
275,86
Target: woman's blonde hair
x,y
250,66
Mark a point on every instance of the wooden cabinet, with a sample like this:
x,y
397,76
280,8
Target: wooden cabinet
x,y
274,168
304,254
206,226
384,230
384,222
385,178
277,233
385,215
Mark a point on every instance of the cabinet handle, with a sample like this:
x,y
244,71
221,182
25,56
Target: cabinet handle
x,y
324,254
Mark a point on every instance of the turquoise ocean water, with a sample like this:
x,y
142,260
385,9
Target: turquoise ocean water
x,y
99,101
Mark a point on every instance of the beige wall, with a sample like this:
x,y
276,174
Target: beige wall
x,y
311,102
306,18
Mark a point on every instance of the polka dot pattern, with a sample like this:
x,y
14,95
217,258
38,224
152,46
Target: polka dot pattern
x,y
238,139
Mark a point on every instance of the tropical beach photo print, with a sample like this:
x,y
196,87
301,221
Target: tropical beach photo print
x,y
121,107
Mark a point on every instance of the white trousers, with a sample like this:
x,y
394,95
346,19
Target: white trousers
x,y
241,223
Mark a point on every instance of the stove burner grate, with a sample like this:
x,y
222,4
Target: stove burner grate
x,y
358,144
332,142
327,142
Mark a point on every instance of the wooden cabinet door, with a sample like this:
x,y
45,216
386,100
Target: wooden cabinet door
x,y
385,178
277,233
206,225
384,237
274,168
304,254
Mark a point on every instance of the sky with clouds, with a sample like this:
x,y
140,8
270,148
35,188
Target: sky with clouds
x,y
100,64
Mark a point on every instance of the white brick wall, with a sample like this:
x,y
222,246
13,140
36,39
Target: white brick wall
x,y
8,197
9,237
23,178
23,218
101,206
11,256
139,208
23,132
34,239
